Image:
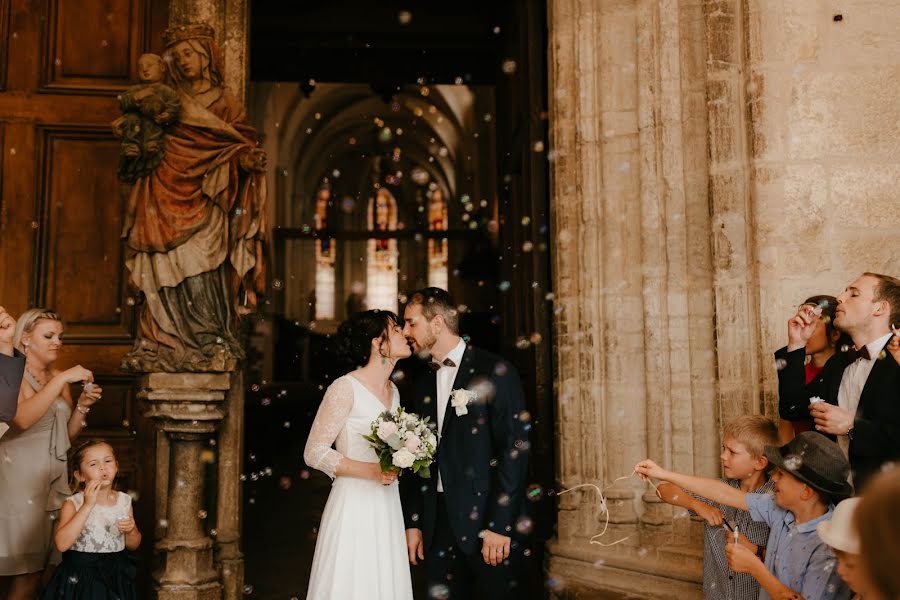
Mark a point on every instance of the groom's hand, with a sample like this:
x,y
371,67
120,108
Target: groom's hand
x,y
494,547
414,545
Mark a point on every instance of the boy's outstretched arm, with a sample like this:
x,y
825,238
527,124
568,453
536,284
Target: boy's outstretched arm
x,y
674,495
713,489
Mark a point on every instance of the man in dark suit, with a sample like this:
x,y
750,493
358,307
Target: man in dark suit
x,y
12,366
463,520
861,391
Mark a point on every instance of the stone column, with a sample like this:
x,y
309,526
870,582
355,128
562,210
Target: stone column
x,y
635,345
187,409
229,558
231,21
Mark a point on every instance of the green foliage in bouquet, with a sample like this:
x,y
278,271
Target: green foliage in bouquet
x,y
396,428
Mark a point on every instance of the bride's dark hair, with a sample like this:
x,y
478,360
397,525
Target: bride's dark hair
x,y
355,335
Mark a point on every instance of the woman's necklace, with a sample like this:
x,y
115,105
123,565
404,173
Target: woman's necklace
x,y
40,381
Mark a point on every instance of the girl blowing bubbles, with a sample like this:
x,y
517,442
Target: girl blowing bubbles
x,y
95,527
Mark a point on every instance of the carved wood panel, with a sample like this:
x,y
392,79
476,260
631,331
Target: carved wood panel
x,y
92,46
80,269
4,41
60,202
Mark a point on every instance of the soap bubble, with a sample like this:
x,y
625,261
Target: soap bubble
x,y
534,492
524,525
792,462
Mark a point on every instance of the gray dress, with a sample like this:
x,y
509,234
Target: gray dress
x,y
33,486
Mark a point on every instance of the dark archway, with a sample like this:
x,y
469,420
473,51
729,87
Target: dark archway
x,y
349,69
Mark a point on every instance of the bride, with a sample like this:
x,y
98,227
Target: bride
x,y
361,549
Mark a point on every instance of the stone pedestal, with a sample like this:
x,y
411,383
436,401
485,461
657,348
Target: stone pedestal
x,y
187,409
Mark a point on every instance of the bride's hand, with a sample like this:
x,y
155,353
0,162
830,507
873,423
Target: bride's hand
x,y
388,478
384,478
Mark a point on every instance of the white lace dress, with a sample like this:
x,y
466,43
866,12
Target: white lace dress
x,y
101,533
361,547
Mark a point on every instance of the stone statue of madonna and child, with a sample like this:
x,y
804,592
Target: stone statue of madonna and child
x,y
196,219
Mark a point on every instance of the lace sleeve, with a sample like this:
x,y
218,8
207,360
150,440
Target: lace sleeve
x,y
329,421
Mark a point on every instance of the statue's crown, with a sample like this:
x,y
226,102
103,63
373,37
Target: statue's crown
x,y
188,31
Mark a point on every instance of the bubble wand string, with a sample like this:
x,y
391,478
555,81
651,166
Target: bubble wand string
x,y
605,507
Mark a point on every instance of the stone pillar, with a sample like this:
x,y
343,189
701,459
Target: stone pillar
x,y
229,559
187,409
231,21
737,294
635,345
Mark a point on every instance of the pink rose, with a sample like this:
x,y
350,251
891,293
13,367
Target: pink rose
x,y
412,443
386,429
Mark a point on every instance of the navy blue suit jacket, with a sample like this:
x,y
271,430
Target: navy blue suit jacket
x,y
482,455
11,370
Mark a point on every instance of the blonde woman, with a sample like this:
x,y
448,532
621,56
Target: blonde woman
x,y
33,470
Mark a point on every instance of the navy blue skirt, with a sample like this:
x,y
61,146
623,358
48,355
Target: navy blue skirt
x,y
93,576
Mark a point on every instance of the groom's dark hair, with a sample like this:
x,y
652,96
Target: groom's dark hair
x,y
435,301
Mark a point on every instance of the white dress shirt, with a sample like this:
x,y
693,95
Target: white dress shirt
x,y
445,378
854,380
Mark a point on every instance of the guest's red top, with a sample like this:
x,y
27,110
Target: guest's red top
x,y
812,371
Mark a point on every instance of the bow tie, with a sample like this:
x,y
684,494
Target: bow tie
x,y
436,366
853,353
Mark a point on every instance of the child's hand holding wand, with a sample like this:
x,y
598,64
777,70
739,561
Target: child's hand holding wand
x,y
647,469
741,559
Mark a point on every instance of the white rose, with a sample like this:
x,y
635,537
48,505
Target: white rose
x,y
459,399
403,458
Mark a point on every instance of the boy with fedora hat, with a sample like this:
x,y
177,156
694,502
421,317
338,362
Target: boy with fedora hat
x,y
811,474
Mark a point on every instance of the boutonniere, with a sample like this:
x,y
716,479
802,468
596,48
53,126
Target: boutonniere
x,y
459,399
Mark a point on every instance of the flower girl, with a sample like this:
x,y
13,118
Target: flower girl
x,y
95,527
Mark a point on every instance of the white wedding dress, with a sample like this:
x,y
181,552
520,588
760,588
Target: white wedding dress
x,y
361,547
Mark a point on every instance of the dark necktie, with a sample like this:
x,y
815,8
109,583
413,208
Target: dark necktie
x,y
436,366
853,353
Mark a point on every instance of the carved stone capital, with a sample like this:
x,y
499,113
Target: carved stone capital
x,y
185,403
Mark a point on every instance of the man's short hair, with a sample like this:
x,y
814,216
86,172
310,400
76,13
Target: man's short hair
x,y
435,301
888,289
755,432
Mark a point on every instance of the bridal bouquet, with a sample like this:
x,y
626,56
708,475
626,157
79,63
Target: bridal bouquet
x,y
403,440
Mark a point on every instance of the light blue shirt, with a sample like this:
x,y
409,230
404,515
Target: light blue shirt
x,y
795,554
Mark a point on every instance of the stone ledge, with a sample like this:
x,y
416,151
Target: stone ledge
x,y
186,381
572,579
669,572
180,395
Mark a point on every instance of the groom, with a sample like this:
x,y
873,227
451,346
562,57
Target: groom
x,y
462,520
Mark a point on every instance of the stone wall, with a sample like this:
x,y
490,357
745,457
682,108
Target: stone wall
x,y
716,162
